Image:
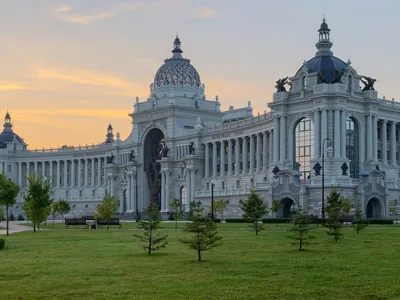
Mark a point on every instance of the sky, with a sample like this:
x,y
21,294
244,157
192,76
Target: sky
x,y
68,68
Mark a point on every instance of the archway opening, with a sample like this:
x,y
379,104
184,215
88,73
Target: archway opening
x,y
152,167
373,209
287,208
304,146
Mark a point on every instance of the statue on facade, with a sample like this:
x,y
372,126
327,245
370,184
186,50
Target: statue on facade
x,y
330,76
132,156
368,84
110,159
276,170
163,150
344,169
280,85
191,148
317,168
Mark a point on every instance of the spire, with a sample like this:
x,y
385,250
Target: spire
x,y
7,122
110,134
177,51
324,44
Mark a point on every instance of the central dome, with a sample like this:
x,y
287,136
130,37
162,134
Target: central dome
x,y
177,71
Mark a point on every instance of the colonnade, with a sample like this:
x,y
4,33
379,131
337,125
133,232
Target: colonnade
x,y
132,203
241,155
81,172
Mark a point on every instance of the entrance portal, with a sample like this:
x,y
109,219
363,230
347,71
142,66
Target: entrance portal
x,y
287,207
152,168
373,209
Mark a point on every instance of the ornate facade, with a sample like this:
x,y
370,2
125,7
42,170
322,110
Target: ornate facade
x,y
182,145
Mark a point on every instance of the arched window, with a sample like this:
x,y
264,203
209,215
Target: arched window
x,y
304,146
352,147
350,83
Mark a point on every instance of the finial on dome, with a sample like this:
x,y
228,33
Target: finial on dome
x,y
7,122
324,44
177,51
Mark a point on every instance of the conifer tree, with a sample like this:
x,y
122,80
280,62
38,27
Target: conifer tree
x,y
254,209
9,191
359,224
275,208
301,227
151,239
176,205
336,206
203,229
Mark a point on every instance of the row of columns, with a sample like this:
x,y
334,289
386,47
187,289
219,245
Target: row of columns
x,y
254,159
82,171
131,205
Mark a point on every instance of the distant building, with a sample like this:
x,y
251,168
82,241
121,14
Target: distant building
x,y
182,145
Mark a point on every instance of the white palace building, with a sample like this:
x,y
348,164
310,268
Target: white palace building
x,y
326,119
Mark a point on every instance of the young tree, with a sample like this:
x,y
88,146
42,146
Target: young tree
x,y
55,210
8,194
151,239
107,208
394,209
254,209
219,207
359,224
176,205
63,207
336,207
38,200
204,230
275,208
1,212
301,227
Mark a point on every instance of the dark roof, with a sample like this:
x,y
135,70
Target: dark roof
x,y
8,137
327,65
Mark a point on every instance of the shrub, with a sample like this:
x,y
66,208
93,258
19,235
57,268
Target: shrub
x,y
12,218
2,243
20,217
278,220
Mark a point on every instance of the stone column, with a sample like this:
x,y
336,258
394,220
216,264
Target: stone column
x,y
20,174
276,140
258,153
92,171
188,193
72,175
317,128
336,129
51,172
251,137
193,183
237,156
214,145
28,171
282,134
167,194
129,194
58,173
86,173
375,136
162,191
343,132
393,144
36,168
245,155
65,173
369,137
270,146
324,131
98,171
222,157
384,142
230,149
264,156
80,174
133,197
207,160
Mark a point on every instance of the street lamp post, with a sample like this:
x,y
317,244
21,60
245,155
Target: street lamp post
x,y
212,199
328,149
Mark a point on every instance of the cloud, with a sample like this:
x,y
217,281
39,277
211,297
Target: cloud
x,y
63,8
11,86
90,18
207,13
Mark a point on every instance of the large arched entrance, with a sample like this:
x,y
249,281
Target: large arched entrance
x,y
373,209
287,207
152,168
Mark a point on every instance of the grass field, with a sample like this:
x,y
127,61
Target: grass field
x,y
109,264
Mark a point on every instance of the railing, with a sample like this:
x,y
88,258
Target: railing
x,y
73,148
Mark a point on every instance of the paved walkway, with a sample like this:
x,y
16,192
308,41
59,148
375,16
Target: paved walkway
x,y
14,227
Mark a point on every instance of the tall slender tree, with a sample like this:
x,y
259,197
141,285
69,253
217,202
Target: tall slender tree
x,y
8,195
176,205
274,209
336,207
301,227
254,209
358,222
205,235
38,200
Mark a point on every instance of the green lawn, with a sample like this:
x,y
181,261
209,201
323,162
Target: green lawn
x,y
2,228
102,264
